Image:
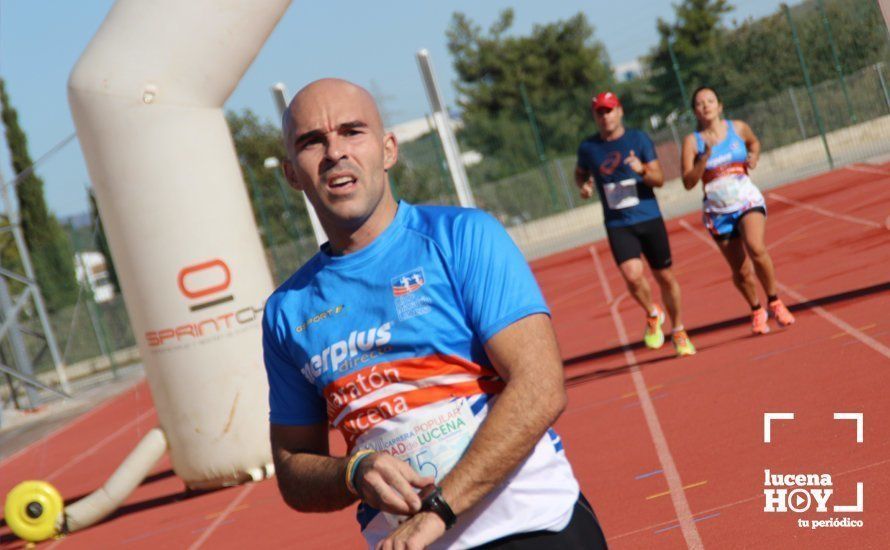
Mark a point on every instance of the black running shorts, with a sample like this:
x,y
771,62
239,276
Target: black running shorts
x,y
648,238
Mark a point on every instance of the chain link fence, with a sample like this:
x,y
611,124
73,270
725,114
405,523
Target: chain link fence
x,y
803,129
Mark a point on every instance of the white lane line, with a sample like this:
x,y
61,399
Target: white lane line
x,y
62,429
818,310
601,273
828,213
838,322
671,474
225,513
734,503
95,448
858,167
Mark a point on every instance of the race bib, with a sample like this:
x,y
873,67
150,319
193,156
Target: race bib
x,y
432,443
622,194
723,192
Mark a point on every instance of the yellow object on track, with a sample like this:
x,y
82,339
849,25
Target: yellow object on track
x,y
34,510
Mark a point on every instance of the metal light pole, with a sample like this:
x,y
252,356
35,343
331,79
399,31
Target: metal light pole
x,y
809,83
443,126
279,93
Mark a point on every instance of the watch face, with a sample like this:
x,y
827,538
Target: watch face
x,y
427,491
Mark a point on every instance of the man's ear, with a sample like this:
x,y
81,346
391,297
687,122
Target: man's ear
x,y
390,150
291,175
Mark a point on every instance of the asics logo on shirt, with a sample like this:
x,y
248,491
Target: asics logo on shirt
x,y
333,357
608,166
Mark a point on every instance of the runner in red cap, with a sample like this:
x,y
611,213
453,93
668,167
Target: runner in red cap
x,y
623,167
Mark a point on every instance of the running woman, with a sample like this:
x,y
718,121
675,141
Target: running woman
x,y
720,154
622,165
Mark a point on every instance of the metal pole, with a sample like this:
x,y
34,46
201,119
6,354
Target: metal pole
x,y
837,61
565,183
803,131
676,67
28,267
443,125
671,122
883,84
274,165
279,93
806,77
264,219
98,328
539,144
17,343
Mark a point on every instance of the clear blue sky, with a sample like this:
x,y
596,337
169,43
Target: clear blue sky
x,y
370,43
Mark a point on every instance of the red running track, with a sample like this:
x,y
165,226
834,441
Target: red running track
x,y
669,451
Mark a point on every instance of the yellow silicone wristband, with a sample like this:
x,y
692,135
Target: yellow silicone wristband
x,y
352,466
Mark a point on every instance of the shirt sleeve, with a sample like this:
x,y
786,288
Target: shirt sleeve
x,y
582,158
647,148
293,401
496,283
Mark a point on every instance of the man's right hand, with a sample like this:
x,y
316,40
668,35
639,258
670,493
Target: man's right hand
x,y
389,484
587,189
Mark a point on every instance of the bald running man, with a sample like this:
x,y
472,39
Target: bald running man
x,y
421,335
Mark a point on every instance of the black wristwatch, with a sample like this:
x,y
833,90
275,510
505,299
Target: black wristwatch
x,y
432,501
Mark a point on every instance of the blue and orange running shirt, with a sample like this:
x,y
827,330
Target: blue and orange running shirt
x,y
386,345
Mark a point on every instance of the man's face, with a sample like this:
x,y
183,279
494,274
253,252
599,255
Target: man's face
x,y
338,153
608,120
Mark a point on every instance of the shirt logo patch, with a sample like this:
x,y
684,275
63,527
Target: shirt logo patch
x,y
407,283
613,161
408,292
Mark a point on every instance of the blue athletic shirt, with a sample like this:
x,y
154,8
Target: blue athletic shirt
x,y
386,345
605,161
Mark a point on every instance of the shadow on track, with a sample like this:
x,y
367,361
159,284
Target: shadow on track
x,y
713,327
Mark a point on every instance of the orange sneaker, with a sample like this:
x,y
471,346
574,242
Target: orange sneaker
x,y
778,310
758,321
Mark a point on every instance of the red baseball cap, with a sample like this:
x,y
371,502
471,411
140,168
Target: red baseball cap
x,y
605,100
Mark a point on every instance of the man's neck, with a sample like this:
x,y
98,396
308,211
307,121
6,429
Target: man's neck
x,y
613,135
346,241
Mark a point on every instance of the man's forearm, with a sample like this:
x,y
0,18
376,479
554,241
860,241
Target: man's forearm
x,y
653,178
507,436
581,176
313,483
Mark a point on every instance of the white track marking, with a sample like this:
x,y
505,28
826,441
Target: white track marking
x,y
818,310
95,448
867,169
840,323
824,212
671,474
225,513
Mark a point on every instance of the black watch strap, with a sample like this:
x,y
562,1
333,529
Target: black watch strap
x,y
433,501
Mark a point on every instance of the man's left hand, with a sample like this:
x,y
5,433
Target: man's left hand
x,y
415,533
634,162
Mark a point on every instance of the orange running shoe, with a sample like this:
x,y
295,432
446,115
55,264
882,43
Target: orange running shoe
x,y
758,321
778,310
682,343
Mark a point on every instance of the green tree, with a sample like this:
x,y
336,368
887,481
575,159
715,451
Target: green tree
x,y
101,242
255,141
697,37
49,247
756,59
561,65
